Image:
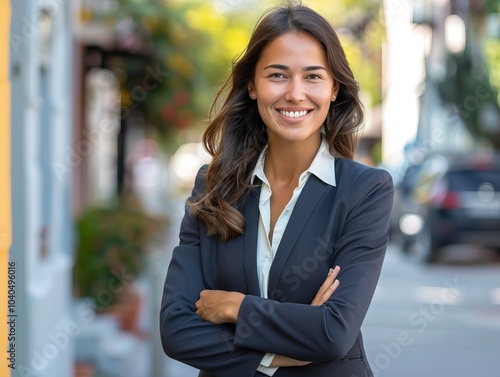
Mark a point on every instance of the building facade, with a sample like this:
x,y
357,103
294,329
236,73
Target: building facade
x,y
41,140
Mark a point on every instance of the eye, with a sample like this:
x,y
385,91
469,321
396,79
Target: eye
x,y
277,75
314,76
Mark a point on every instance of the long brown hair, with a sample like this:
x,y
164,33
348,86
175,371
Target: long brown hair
x,y
236,135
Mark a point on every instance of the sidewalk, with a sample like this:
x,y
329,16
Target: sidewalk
x,y
164,196
162,365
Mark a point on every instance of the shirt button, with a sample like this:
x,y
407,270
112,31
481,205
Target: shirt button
x,y
287,211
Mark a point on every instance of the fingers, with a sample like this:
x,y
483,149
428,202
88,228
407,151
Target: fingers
x,y
320,299
200,303
330,279
328,287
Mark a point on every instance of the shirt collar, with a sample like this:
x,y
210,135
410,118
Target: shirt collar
x,y
258,171
323,166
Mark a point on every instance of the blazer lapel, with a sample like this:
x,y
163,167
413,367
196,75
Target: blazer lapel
x,y
251,213
308,200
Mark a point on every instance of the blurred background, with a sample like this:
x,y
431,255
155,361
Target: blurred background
x,y
109,99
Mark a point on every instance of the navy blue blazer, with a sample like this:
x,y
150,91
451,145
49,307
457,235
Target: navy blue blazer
x,y
346,225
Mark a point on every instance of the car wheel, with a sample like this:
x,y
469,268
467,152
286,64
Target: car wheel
x,y
425,249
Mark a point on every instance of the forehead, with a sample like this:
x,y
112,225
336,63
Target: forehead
x,y
294,48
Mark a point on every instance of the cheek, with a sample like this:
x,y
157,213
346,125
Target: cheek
x,y
263,111
266,101
270,92
322,95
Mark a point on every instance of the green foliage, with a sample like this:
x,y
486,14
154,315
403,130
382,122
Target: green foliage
x,y
492,6
492,57
111,247
472,84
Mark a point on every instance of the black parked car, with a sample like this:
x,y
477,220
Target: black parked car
x,y
458,198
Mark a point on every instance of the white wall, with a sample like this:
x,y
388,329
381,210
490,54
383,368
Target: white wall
x,y
403,72
42,229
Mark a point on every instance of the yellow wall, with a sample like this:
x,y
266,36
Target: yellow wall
x,y
5,222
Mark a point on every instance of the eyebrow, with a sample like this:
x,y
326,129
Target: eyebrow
x,y
286,68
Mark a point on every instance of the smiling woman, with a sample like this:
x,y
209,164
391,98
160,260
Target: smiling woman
x,y
279,213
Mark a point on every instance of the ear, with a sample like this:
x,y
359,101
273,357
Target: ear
x,y
335,90
251,90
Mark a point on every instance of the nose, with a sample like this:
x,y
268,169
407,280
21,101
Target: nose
x,y
295,91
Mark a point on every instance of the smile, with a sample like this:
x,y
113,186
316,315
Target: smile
x,y
294,114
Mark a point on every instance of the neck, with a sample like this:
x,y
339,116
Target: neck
x,y
286,162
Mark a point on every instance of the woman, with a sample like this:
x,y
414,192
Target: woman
x,y
251,289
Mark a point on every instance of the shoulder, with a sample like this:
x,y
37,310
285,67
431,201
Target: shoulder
x,y
352,171
200,180
358,182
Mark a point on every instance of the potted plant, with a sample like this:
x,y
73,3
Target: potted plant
x,y
111,247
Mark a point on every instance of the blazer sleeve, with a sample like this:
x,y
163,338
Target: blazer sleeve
x,y
185,336
328,332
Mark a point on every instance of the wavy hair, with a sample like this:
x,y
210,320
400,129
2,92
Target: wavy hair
x,y
236,134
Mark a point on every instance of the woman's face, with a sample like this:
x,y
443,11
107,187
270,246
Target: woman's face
x,y
293,88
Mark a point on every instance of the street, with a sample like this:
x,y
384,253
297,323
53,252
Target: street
x,y
435,321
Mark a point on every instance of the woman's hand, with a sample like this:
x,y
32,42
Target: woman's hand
x,y
219,306
327,288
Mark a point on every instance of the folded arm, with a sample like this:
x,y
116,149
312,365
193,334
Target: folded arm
x,y
218,307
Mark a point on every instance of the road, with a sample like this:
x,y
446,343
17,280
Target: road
x,y
435,321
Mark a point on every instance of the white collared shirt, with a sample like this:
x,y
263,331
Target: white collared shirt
x,y
323,167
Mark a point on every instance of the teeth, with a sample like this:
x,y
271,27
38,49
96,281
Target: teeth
x,y
293,114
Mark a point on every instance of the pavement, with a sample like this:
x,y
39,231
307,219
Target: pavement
x,y
162,365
